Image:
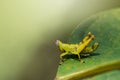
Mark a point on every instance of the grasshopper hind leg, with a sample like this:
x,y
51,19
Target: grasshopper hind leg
x,y
91,48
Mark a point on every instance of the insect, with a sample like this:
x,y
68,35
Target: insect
x,y
77,49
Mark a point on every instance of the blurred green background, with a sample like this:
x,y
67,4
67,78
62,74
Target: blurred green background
x,y
29,29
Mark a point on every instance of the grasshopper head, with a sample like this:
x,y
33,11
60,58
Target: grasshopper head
x,y
57,42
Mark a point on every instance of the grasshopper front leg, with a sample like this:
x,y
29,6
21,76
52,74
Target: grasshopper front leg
x,y
61,56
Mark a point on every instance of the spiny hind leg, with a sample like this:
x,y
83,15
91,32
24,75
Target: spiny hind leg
x,y
87,37
91,48
95,46
85,44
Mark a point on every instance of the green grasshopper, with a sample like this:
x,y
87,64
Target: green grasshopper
x,y
77,49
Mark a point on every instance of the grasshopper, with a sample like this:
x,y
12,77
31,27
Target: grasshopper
x,y
77,49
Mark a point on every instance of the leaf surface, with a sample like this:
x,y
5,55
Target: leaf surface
x,y
106,28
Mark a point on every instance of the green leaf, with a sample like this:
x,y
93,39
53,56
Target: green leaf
x,y
106,28
112,75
